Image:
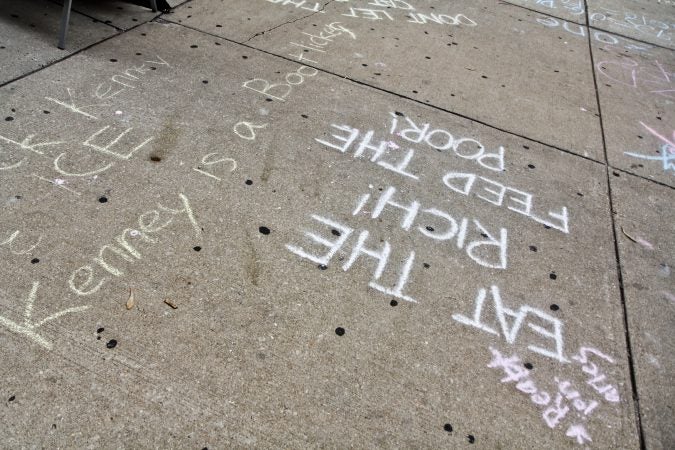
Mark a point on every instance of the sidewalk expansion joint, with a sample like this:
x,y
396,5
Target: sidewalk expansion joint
x,y
290,21
619,273
586,25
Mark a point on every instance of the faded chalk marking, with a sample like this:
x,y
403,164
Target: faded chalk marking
x,y
57,167
188,211
28,327
10,242
71,106
246,130
209,161
58,183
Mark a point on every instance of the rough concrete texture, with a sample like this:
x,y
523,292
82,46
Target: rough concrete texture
x,y
206,242
29,33
645,243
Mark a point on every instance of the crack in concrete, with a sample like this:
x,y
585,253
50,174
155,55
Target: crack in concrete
x,y
290,21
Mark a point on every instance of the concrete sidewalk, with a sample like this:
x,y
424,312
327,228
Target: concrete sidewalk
x,y
347,223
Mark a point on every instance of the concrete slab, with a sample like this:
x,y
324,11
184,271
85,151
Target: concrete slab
x,y
228,257
29,33
573,11
636,93
118,13
644,20
459,61
646,239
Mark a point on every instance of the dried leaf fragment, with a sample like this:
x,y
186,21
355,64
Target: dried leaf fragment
x,y
131,300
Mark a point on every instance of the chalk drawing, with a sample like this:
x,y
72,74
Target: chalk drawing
x,y
443,19
10,242
83,281
106,149
58,183
246,130
655,78
517,200
378,150
510,333
625,20
209,160
575,7
68,173
567,399
609,391
28,327
443,140
580,31
666,155
369,14
333,246
477,250
361,249
70,105
279,91
300,4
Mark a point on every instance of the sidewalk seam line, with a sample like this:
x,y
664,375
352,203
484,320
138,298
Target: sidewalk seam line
x,y
587,25
622,294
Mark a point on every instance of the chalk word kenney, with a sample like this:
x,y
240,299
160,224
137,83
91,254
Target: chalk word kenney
x,y
489,252
442,140
28,327
83,282
118,84
510,333
555,413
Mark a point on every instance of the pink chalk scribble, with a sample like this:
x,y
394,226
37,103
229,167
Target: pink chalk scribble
x,y
667,153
